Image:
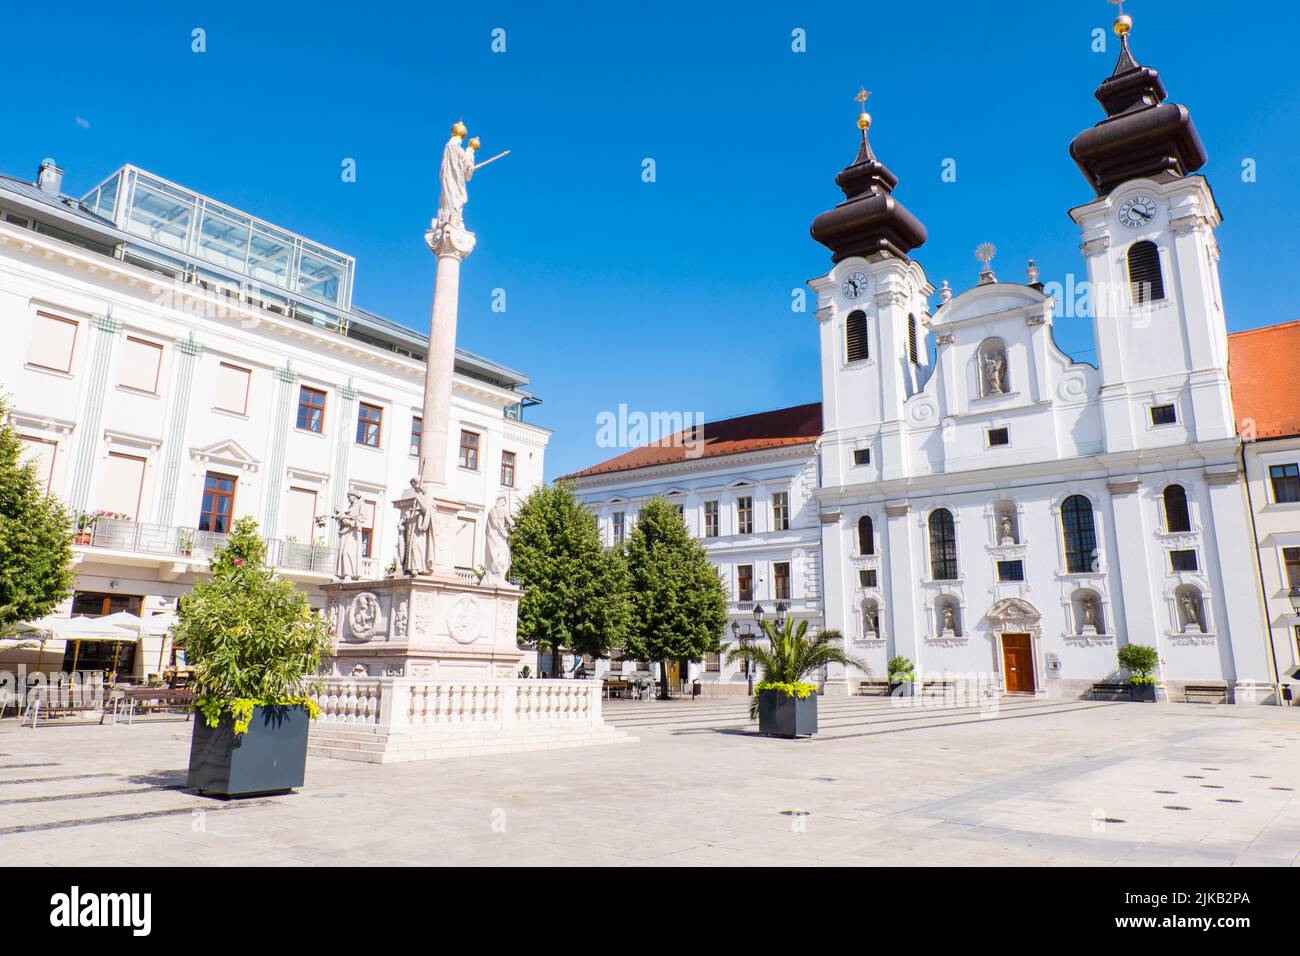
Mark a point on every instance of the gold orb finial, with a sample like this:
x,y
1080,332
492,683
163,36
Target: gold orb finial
x,y
864,118
458,129
1123,22
473,143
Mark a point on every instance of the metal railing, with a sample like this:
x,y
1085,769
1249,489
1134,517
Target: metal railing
x,y
121,534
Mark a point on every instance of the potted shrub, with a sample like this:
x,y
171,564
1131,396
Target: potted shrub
x,y
1140,661
783,703
253,640
902,674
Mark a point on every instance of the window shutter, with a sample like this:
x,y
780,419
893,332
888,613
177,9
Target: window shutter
x,y
912,351
855,337
1145,281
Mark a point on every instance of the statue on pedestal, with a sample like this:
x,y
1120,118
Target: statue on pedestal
x,y
416,532
457,169
949,619
497,551
350,521
1191,613
1090,615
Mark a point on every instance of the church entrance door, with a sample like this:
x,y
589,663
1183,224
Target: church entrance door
x,y
1018,664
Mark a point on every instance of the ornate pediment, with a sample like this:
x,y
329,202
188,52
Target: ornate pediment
x,y
1013,612
228,452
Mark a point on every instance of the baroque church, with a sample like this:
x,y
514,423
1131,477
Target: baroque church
x,y
987,507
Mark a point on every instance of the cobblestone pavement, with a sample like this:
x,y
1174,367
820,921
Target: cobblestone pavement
x,y
1036,783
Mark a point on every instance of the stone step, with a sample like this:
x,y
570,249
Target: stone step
x,y
373,749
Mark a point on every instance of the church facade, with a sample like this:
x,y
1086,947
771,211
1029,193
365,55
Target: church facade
x,y
1008,518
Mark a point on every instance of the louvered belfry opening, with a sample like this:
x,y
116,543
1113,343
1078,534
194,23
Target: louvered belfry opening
x,y
913,350
1144,278
855,337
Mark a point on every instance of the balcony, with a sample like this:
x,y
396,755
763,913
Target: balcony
x,y
178,547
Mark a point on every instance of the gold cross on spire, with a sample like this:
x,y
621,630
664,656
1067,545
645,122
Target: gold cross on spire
x,y
864,118
863,92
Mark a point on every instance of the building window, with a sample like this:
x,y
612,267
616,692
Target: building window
x,y
866,535
712,662
855,337
417,436
469,450
370,423
218,503
913,349
619,524
1145,281
781,581
41,453
368,508
54,340
1011,570
1291,559
943,546
140,365
781,511
1080,534
1177,517
232,388
745,582
744,515
508,469
862,456
311,409
1183,560
999,436
1164,415
867,578
711,525
1286,483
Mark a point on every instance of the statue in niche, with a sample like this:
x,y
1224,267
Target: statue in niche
x,y
871,619
1191,612
995,372
1008,529
1091,617
949,619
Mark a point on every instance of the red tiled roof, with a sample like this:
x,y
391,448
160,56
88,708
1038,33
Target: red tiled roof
x,y
1263,365
799,425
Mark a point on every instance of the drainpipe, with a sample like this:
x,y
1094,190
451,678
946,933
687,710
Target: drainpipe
x,y
1259,567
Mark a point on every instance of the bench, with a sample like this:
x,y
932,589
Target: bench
x,y
53,701
874,687
146,699
1205,693
939,687
615,686
1103,690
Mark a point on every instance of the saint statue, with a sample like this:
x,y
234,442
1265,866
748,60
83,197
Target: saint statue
x,y
1191,612
350,521
994,367
496,558
949,619
871,619
1090,613
417,531
457,168
1007,528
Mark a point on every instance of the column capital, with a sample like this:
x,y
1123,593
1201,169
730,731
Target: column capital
x,y
446,239
106,323
286,375
188,346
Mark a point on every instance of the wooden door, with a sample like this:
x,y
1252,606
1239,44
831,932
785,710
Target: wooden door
x,y
1018,663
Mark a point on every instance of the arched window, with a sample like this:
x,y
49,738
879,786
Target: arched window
x,y
1145,281
1080,534
866,536
943,546
1177,517
913,350
855,337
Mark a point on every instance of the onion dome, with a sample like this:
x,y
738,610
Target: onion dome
x,y
1142,135
870,221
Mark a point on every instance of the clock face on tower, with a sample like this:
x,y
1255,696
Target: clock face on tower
x,y
854,285
1137,211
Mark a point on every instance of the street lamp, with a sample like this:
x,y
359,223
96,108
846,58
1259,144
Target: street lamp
x,y
749,665
781,608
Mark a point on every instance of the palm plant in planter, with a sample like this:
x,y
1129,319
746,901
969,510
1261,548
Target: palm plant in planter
x,y
1140,660
902,673
253,641
783,703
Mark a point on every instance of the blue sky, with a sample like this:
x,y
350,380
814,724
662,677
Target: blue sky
x,y
672,295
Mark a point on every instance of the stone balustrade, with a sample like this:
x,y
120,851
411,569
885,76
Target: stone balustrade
x,y
400,703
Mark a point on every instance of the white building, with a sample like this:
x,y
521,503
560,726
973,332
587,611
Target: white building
x,y
174,363
745,488
1027,515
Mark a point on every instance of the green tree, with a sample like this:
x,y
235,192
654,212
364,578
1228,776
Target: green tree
x,y
252,638
1140,660
679,607
575,589
35,538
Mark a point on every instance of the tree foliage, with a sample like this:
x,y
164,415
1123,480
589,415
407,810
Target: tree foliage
x,y
1140,660
679,607
575,589
35,538
251,637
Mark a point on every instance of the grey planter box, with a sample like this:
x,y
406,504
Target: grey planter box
x,y
783,716
1142,692
270,757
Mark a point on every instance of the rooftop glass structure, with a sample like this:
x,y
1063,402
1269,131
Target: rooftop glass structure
x,y
179,220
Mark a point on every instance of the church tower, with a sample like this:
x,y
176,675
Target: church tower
x,y
1152,262
871,314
